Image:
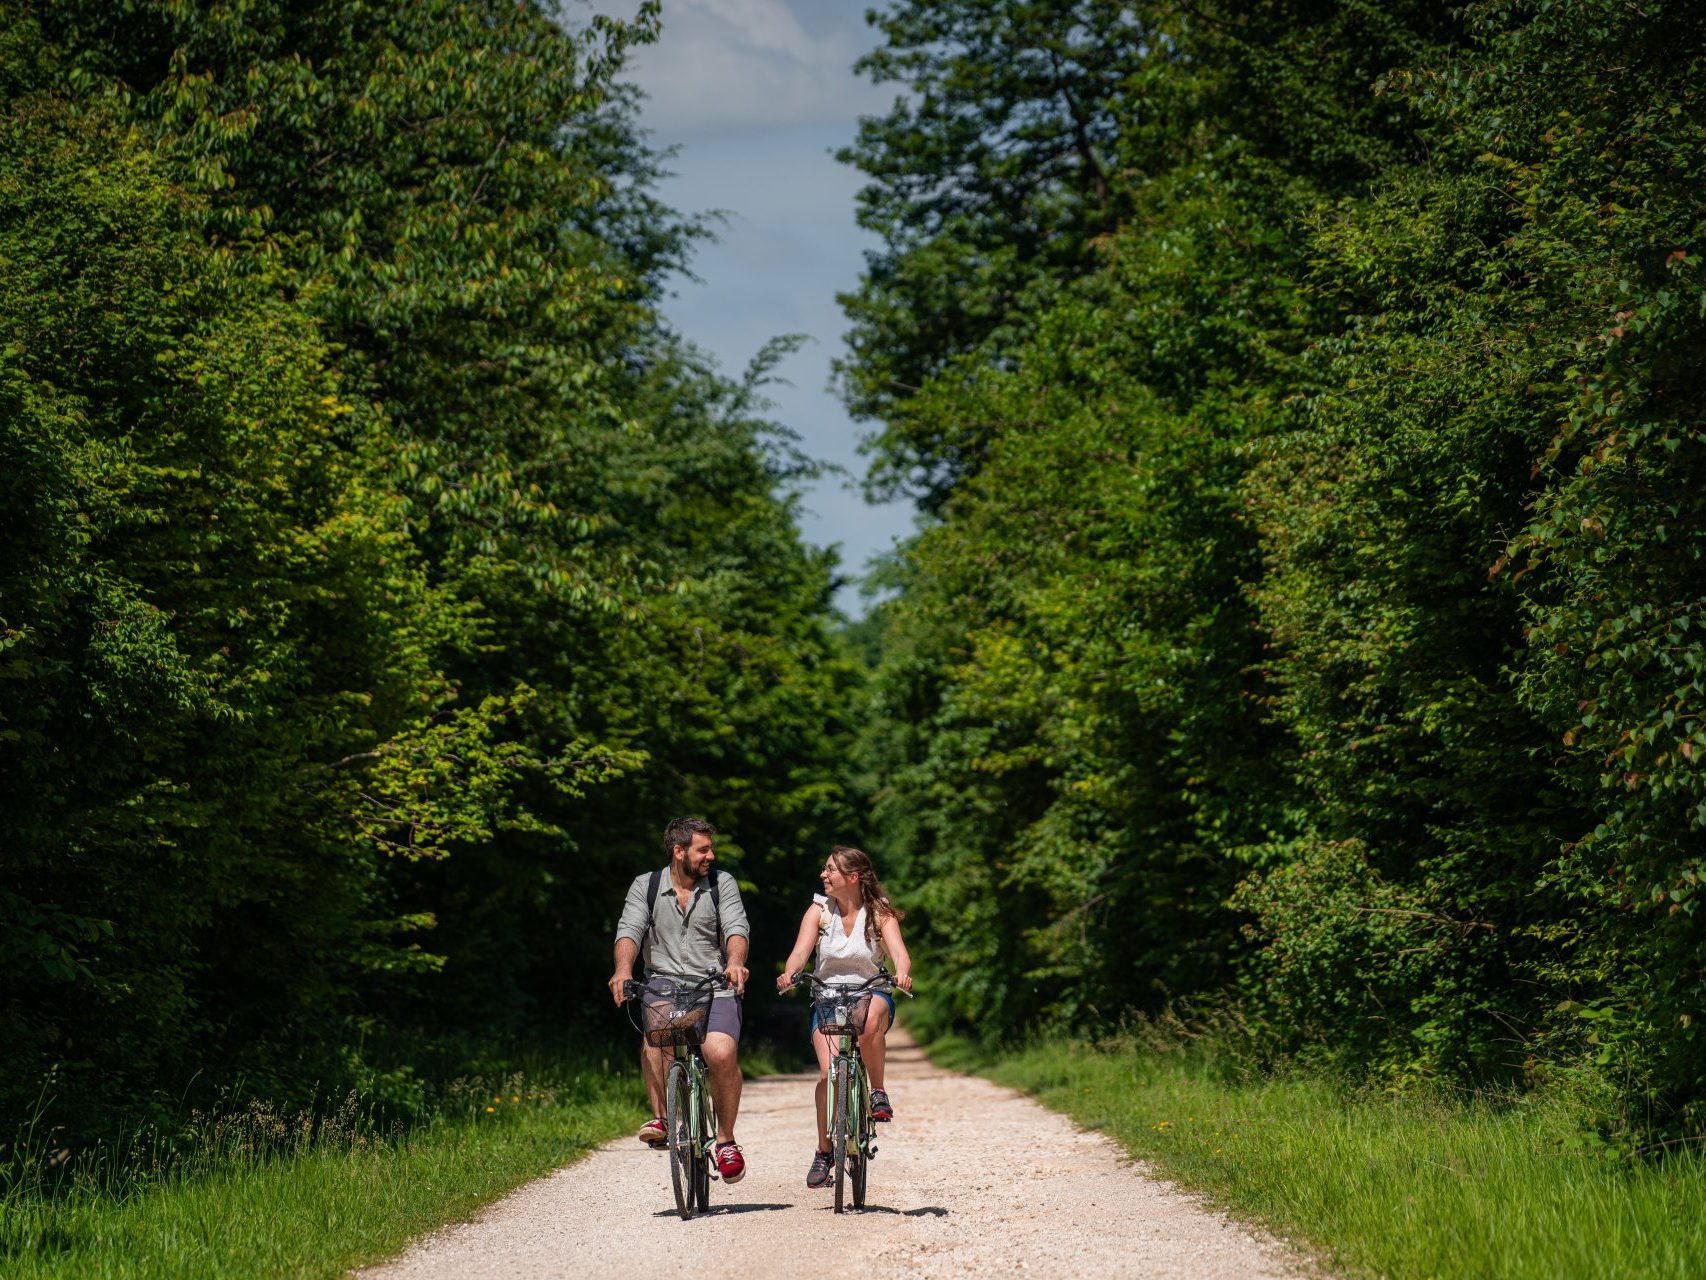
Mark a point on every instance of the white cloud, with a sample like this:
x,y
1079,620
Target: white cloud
x,y
741,64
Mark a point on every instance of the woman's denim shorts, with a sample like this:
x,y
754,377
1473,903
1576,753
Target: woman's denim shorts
x,y
885,997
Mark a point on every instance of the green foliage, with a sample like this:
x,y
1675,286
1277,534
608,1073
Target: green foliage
x,y
1380,505
1090,744
1316,583
379,573
1610,556
188,527
1442,574
1084,758
1034,130
989,183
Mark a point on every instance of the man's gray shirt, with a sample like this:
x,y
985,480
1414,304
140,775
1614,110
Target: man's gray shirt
x,y
682,944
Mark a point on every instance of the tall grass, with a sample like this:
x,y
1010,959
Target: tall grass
x,y
1436,1187
254,1191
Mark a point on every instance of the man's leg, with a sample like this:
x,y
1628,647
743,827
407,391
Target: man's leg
x,y
654,1062
722,1056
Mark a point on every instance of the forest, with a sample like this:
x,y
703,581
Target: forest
x,y
1304,636
379,574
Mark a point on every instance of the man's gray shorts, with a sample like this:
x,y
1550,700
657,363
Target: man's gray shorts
x,y
725,1017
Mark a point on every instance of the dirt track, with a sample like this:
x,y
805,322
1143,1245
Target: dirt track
x,y
970,1180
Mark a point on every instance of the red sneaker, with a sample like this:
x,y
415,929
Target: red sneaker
x,y
653,1134
731,1165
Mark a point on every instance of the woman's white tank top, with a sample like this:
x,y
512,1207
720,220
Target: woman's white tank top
x,y
842,956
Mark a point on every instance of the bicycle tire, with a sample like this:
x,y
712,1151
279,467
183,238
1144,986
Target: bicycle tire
x,y
838,1134
678,1119
707,1150
860,1161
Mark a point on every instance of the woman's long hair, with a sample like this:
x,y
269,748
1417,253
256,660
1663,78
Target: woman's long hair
x,y
857,864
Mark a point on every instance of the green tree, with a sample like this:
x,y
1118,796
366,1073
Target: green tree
x,y
1481,610
990,179
1032,129
221,710
1606,194
448,210
1091,764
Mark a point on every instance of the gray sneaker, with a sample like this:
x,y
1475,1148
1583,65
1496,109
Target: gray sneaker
x,y
818,1174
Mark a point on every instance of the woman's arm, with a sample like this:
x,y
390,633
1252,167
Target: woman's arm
x,y
802,946
897,953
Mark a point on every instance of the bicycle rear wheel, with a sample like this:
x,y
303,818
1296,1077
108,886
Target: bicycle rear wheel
x,y
839,1118
678,1118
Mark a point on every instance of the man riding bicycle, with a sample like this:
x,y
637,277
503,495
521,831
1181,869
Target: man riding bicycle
x,y
685,921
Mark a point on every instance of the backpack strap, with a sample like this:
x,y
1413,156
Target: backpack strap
x,y
717,907
652,887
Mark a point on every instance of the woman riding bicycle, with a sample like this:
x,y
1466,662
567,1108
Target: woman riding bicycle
x,y
853,925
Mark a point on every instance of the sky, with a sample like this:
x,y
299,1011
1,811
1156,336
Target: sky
x,y
755,95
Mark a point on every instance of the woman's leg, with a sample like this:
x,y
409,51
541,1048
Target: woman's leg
x,y
873,1044
821,1045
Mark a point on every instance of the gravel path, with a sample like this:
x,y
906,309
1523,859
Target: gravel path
x,y
1031,1194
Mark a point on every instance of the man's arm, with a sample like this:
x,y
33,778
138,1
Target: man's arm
x,y
630,929
736,971
736,932
626,951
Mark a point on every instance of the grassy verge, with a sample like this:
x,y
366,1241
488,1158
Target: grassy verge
x,y
1399,1188
256,1193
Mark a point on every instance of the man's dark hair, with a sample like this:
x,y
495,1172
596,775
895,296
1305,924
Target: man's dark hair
x,y
681,832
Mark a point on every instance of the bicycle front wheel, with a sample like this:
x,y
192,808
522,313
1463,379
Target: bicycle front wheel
x,y
707,1148
864,1130
678,1118
840,1118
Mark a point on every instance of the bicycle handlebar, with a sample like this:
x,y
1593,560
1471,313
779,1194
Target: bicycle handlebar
x,y
632,987
880,981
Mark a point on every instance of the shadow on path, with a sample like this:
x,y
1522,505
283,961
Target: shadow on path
x,y
723,1210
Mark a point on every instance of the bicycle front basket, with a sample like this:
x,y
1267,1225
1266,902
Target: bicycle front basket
x,y
674,1015
841,1015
